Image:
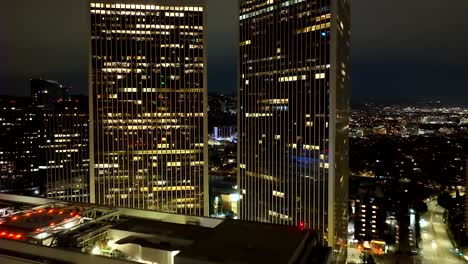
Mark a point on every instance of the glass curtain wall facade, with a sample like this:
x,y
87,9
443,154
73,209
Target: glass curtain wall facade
x,y
293,115
148,87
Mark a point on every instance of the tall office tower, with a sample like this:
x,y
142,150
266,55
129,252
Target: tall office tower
x,y
148,103
293,115
67,150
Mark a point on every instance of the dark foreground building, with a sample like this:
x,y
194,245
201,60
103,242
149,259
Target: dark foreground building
x,y
293,115
37,230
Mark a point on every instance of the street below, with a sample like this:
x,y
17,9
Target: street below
x,y
436,246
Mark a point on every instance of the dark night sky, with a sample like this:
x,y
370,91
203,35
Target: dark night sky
x,y
401,50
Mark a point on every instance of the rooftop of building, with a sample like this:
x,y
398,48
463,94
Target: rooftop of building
x,y
163,229
235,241
37,219
123,234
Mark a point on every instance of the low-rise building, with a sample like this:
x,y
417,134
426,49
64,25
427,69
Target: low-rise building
x,y
36,229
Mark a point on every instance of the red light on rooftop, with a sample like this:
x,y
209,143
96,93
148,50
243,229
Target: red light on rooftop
x,y
3,233
52,224
28,214
40,211
301,225
14,218
18,236
51,211
10,235
38,230
72,214
61,212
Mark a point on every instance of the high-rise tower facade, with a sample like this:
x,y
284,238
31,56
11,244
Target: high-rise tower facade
x,y
67,150
62,141
148,105
293,115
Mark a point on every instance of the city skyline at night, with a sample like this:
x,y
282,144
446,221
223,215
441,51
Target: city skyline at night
x,y
234,131
397,53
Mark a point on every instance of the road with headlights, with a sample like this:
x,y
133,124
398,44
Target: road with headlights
x,y
436,246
